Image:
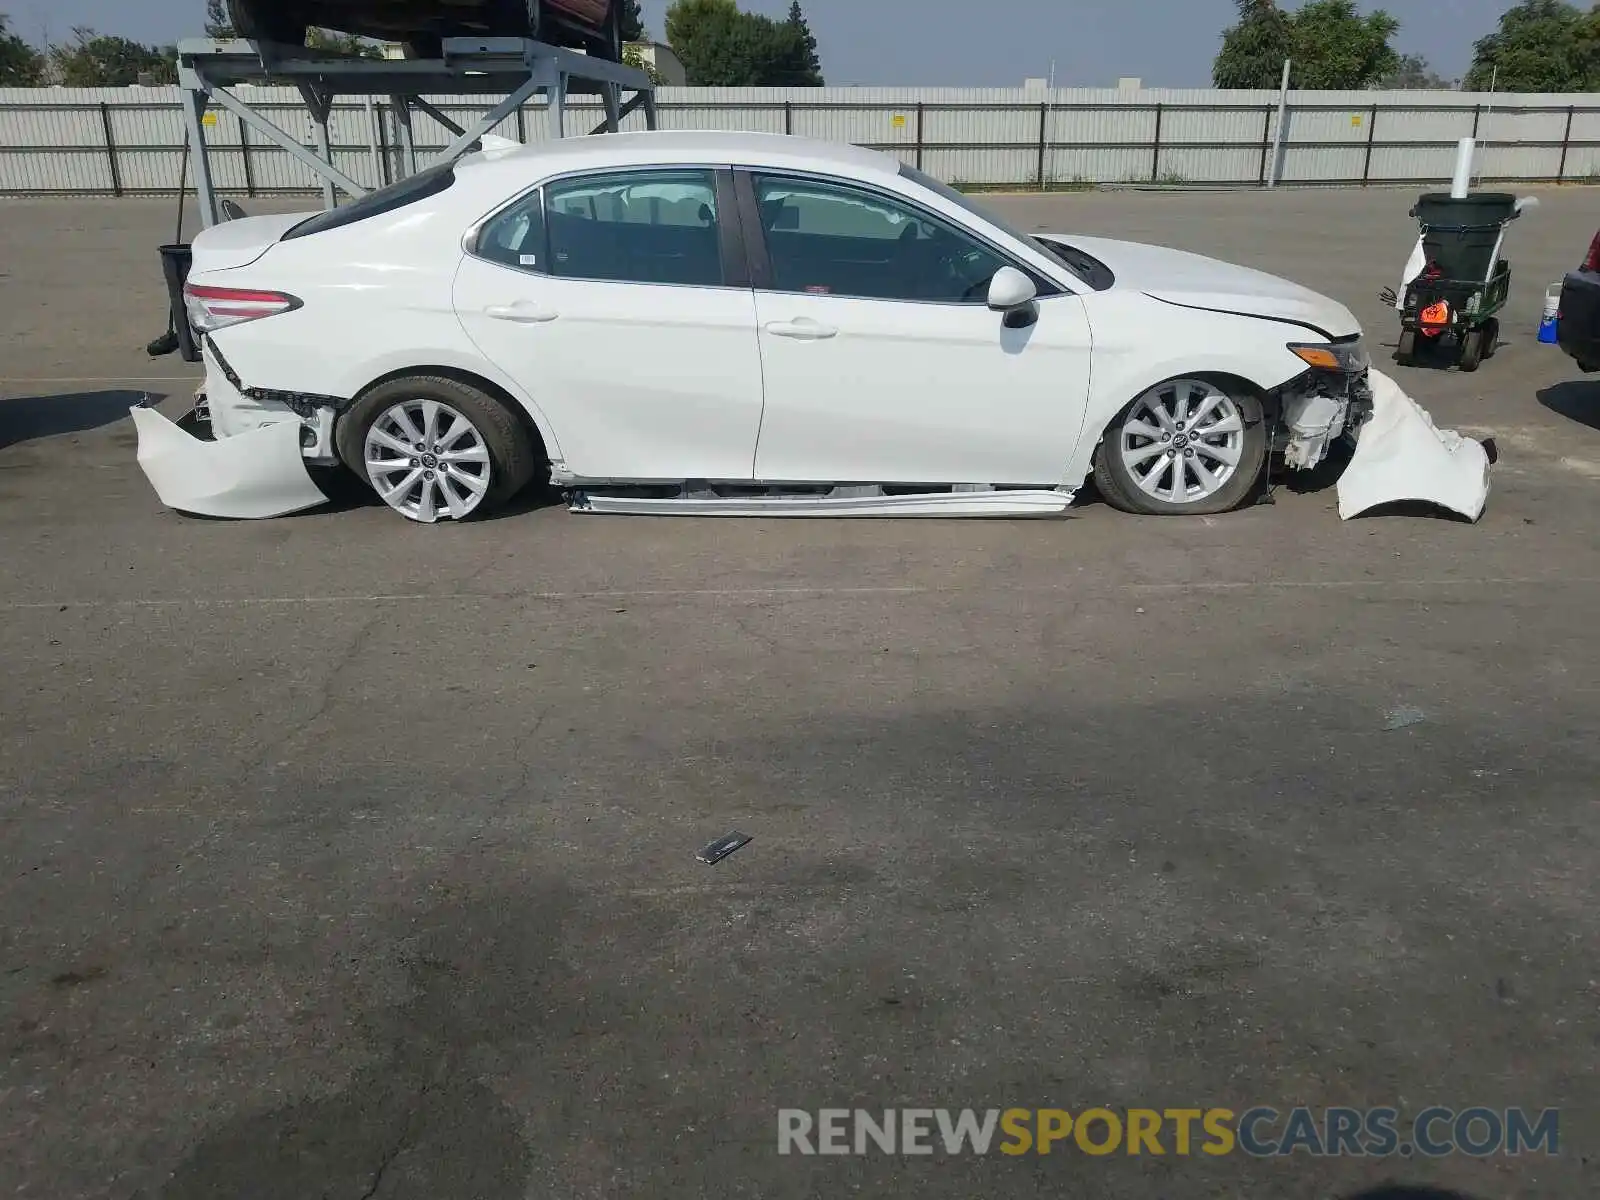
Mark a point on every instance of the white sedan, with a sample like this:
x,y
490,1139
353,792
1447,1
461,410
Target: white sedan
x,y
716,323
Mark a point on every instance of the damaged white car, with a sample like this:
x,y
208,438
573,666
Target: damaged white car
x,y
736,323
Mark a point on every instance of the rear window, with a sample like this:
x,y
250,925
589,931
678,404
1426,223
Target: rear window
x,y
374,204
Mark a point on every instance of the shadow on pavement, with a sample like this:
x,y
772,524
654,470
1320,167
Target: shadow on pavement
x,y
1395,1191
24,418
1577,400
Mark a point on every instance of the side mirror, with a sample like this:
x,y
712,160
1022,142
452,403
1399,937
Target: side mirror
x,y
1010,290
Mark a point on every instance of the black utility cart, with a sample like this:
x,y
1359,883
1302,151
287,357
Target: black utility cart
x,y
1451,307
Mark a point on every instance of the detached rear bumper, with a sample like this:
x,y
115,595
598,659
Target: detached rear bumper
x,y
256,474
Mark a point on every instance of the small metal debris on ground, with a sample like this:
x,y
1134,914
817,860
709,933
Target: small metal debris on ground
x,y
1400,718
722,847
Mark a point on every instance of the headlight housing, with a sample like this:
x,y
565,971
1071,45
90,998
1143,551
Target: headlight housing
x,y
1347,358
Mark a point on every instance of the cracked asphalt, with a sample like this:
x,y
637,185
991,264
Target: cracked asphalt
x,y
346,858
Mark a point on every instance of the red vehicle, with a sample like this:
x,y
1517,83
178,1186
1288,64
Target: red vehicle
x,y
592,25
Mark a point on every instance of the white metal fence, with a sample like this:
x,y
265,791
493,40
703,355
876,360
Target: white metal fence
x,y
129,141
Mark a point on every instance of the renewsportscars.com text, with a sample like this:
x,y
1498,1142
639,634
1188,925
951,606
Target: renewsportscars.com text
x,y
1260,1132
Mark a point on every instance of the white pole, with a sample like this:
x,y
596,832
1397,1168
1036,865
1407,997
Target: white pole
x,y
1461,181
1494,78
1277,134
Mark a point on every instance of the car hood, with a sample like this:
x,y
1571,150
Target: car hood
x,y
1195,281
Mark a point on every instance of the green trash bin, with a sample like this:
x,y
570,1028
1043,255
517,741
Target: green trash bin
x,y
1460,236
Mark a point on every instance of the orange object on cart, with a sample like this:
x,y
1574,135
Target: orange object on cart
x,y
1434,318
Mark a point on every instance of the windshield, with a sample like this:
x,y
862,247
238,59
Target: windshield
x,y
989,215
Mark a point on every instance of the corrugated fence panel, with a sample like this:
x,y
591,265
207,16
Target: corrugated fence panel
x,y
1100,165
56,139
1308,164
1339,125
989,168
1412,163
1124,125
1181,165
1404,124
1518,162
1234,125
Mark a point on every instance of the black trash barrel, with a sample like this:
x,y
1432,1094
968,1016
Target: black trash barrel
x,y
1460,235
175,263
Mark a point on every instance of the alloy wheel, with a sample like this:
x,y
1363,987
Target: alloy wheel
x,y
427,461
1182,441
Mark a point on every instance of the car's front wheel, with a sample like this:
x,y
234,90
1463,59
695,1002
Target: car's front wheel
x,y
1186,446
436,449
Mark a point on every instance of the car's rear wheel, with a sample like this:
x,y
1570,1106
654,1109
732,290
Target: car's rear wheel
x,y
1186,446
263,20
436,449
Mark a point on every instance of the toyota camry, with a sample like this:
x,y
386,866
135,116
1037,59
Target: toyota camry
x,y
718,323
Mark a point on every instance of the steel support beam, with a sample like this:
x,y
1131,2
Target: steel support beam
x,y
321,106
490,119
408,138
422,105
194,108
281,139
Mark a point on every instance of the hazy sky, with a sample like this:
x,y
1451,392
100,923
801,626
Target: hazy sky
x,y
1168,43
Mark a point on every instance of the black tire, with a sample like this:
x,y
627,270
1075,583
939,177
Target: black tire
x,y
1472,350
1406,352
1491,337
513,454
1121,490
267,21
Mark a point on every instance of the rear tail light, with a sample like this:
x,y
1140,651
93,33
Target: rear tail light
x,y
1592,262
212,308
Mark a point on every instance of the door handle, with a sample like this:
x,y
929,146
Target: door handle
x,y
804,330
522,314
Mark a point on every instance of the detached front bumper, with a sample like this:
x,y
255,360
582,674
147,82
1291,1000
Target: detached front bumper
x,y
255,474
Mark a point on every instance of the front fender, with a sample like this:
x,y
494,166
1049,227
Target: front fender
x,y
1140,342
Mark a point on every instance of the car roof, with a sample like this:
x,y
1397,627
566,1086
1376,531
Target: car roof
x,y
668,147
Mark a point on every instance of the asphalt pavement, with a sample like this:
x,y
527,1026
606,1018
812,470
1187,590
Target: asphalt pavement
x,y
344,857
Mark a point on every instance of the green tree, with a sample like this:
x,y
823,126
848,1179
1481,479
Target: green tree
x,y
1540,46
1413,74
632,21
631,57
722,46
1253,50
806,45
20,64
99,60
1330,44
1335,48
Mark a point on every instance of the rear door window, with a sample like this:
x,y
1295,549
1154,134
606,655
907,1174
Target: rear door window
x,y
397,195
650,226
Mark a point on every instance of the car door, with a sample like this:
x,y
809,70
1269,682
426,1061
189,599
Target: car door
x,y
619,301
882,360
